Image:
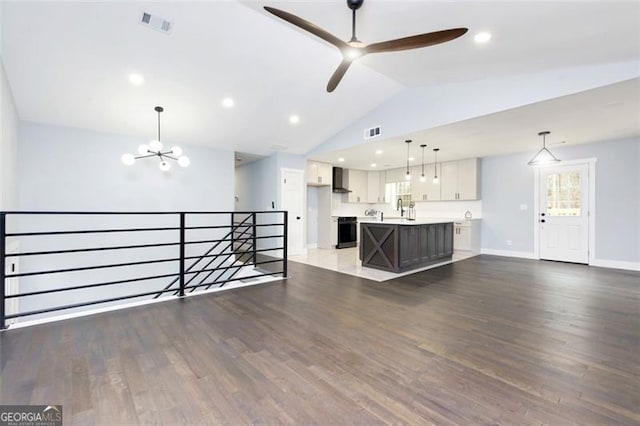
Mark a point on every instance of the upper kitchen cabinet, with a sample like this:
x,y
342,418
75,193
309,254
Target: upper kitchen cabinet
x,y
358,184
460,180
376,187
395,175
318,174
427,190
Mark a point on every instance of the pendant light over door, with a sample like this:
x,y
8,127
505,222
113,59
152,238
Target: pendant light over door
x,y
544,157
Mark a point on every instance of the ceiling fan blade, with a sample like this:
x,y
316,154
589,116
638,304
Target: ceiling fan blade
x,y
307,26
338,74
417,41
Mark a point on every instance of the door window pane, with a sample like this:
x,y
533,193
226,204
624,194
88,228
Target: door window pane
x,y
563,194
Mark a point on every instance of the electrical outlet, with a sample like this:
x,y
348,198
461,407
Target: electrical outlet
x,y
509,243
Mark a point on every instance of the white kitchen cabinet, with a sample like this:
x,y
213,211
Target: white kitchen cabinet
x,y
382,189
375,187
427,190
319,174
395,175
358,185
460,180
466,236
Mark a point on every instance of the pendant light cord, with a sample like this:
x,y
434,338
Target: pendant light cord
x,y
158,125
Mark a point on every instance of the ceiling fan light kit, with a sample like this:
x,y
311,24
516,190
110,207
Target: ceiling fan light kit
x,y
355,49
544,157
154,149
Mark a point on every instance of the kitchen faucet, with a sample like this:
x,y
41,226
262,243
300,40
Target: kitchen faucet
x,y
399,207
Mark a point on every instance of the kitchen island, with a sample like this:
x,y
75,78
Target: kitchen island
x,y
400,245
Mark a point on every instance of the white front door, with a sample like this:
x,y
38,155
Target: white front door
x,y
564,213
292,190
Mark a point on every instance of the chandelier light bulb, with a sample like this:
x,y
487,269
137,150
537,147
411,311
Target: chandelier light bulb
x,y
128,159
155,145
176,150
143,149
164,166
184,161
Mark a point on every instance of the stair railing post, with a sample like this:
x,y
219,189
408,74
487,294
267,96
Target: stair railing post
x,y
285,243
3,267
182,267
233,237
255,254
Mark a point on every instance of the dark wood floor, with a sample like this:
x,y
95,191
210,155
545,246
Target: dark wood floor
x,y
488,340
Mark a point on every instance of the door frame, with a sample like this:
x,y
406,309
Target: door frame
x,y
283,170
591,212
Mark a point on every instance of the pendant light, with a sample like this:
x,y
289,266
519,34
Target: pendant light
x,y
422,178
544,156
435,166
154,149
407,176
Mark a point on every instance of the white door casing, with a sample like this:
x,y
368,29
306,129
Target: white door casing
x,y
563,213
292,190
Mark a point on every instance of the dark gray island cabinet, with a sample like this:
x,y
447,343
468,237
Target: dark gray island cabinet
x,y
399,246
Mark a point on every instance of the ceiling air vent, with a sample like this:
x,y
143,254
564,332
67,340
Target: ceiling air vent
x,y
156,23
371,133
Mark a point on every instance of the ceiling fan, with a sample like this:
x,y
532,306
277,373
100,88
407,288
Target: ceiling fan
x,y
354,48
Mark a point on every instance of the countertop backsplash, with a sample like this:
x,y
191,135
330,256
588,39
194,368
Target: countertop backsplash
x,y
434,209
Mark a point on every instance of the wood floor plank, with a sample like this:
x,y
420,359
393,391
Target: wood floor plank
x,y
488,340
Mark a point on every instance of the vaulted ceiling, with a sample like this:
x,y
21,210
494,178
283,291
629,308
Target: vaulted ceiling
x,y
68,63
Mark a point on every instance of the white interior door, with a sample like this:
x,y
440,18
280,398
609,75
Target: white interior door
x,y
292,189
564,213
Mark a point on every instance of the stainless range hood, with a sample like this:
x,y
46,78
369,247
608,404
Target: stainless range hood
x,y
340,180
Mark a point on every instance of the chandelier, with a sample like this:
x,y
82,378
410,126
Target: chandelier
x,y
154,149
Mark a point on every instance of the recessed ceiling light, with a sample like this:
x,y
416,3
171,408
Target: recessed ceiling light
x,y
379,151
482,37
411,158
227,102
294,119
340,160
374,165
136,79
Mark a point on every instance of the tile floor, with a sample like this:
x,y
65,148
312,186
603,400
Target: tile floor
x,y
347,262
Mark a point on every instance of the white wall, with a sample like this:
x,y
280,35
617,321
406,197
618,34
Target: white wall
x,y
8,145
72,169
508,182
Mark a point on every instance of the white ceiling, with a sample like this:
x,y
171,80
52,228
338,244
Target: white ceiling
x,y
607,113
68,62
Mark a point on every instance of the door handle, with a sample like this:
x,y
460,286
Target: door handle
x,y
543,214
542,221
297,217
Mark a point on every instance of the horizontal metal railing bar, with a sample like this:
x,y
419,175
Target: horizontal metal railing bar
x,y
88,268
32,212
80,287
88,231
232,266
232,252
78,305
238,225
235,239
234,279
40,253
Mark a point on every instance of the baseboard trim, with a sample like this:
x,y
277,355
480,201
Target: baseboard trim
x,y
616,264
510,253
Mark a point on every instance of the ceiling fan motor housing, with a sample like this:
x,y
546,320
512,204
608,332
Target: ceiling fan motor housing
x,y
354,4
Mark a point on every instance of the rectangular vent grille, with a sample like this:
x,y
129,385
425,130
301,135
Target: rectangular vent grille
x,y
156,23
373,132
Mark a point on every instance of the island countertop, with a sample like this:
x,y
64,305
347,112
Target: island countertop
x,y
419,221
